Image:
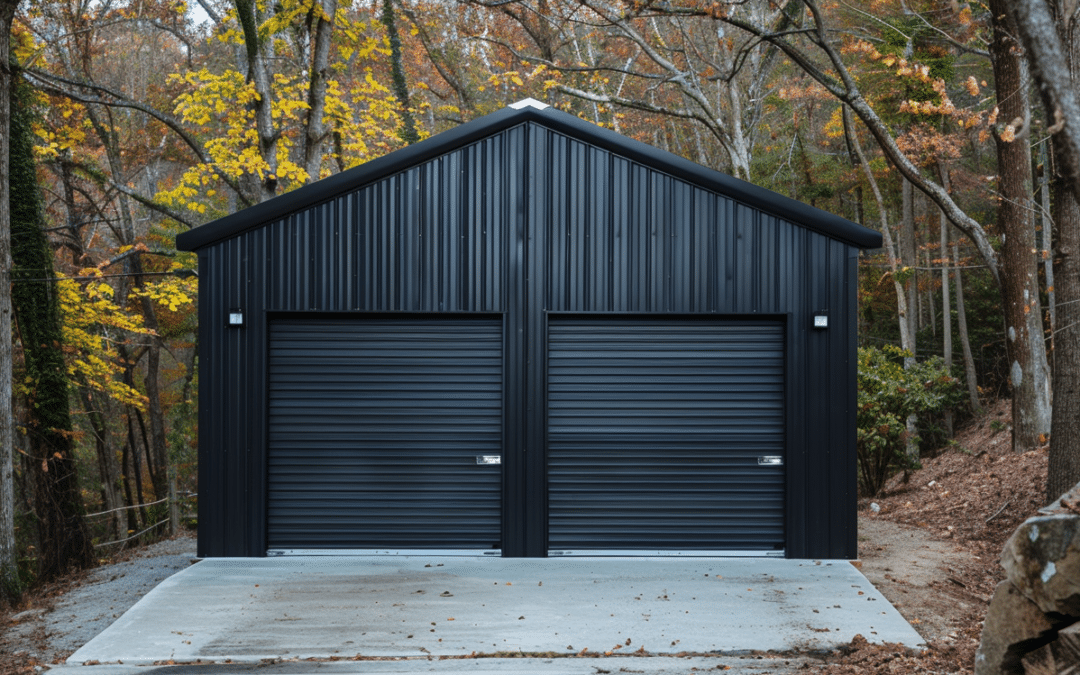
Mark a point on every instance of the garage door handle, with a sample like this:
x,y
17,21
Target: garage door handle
x,y
770,460
489,459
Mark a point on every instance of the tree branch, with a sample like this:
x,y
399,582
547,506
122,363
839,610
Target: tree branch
x,y
151,204
99,176
843,86
1040,38
68,88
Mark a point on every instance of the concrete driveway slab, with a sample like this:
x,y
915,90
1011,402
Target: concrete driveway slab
x,y
249,610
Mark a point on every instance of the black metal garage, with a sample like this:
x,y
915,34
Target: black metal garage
x,y
528,336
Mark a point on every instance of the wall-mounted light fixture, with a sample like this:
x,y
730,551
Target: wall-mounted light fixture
x,y
821,320
236,318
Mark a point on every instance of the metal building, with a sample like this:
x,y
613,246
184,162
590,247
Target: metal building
x,y
528,336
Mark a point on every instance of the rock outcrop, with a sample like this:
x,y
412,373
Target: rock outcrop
x,y
1033,624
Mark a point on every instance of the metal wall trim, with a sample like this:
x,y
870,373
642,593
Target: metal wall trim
x,y
696,316
380,553
652,553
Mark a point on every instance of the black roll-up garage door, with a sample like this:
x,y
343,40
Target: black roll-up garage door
x,y
376,427
665,435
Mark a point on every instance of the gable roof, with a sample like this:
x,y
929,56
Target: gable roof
x,y
519,113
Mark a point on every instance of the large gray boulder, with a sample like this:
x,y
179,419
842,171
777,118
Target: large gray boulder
x,y
1032,626
1042,560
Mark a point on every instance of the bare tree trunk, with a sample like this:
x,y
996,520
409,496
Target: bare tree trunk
x,y
1064,466
907,338
129,496
1047,226
946,314
1049,53
965,342
1028,370
316,129
9,572
108,469
925,261
946,309
259,74
135,468
157,451
174,508
931,304
909,253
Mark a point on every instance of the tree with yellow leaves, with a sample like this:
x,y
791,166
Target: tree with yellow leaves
x,y
305,103
287,93
151,124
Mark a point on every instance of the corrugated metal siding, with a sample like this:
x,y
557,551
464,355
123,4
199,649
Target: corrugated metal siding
x,y
375,425
615,236
430,239
655,431
505,225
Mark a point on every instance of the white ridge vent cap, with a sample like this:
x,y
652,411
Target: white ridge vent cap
x,y
529,103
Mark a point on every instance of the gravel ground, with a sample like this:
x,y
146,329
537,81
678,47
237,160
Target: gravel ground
x,y
46,635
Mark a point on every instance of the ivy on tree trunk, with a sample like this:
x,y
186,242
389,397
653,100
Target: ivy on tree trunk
x,y
63,539
9,573
408,132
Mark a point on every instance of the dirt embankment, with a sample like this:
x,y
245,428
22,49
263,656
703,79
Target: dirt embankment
x,y
932,546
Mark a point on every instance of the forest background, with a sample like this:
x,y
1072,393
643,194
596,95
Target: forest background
x,y
950,127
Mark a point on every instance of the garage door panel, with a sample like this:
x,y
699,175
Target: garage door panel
x,y
375,425
655,428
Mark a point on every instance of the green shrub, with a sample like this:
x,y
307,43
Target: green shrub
x,y
888,394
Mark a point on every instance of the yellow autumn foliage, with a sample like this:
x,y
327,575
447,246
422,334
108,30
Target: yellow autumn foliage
x,y
218,105
93,327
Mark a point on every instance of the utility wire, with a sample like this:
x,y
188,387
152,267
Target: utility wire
x,y
178,273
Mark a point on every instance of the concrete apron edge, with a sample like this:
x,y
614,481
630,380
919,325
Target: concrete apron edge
x,y
517,657
658,665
